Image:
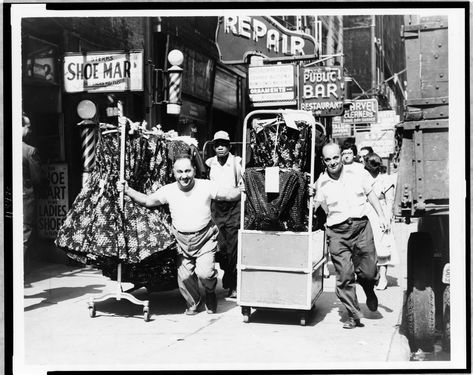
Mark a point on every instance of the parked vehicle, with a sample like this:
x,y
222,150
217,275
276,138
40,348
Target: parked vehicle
x,y
423,181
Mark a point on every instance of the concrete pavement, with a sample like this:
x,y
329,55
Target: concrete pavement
x,y
60,334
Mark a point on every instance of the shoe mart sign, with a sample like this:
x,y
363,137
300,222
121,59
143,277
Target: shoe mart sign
x,y
52,210
103,71
238,37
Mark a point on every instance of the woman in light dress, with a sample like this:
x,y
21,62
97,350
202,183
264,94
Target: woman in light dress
x,y
384,241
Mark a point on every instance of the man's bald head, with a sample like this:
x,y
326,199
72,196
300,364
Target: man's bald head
x,y
331,156
332,147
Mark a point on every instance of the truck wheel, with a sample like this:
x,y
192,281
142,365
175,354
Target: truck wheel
x,y
446,319
421,319
420,264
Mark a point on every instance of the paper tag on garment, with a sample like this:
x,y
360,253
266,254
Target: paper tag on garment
x,y
271,179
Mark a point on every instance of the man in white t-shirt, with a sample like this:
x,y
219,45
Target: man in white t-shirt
x,y
344,190
225,170
189,202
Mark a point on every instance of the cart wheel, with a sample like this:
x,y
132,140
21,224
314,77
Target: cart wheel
x,y
303,318
246,311
146,314
92,311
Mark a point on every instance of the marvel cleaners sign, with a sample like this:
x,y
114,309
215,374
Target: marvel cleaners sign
x,y
240,36
103,71
321,90
362,112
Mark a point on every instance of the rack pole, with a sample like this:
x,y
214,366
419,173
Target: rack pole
x,y
119,294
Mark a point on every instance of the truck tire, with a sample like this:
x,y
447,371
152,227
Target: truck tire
x,y
421,319
446,319
420,263
420,294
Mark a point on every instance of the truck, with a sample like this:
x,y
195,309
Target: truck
x,y
422,194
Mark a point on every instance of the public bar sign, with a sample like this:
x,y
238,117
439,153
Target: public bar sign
x,y
52,210
272,84
238,37
103,71
321,90
361,112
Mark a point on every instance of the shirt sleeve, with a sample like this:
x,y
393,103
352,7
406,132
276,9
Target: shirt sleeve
x,y
208,162
367,181
319,195
162,193
212,188
36,171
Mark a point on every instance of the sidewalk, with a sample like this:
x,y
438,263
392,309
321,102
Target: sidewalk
x,y
59,331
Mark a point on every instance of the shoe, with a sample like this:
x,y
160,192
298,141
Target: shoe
x,y
232,293
371,300
191,312
194,310
352,323
383,284
211,302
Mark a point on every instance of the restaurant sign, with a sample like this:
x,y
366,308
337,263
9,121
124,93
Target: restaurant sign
x,y
238,37
361,112
103,71
321,90
272,84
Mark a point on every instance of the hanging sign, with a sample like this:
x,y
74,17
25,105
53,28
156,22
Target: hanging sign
x,y
103,71
321,90
361,112
272,84
52,210
341,130
238,37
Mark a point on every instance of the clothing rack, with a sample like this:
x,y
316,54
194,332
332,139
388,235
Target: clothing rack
x,y
120,294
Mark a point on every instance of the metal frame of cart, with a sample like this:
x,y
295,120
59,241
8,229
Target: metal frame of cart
x,y
293,279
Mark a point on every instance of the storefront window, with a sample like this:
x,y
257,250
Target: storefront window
x,y
226,92
40,60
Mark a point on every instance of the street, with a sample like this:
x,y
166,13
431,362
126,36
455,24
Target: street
x,y
59,331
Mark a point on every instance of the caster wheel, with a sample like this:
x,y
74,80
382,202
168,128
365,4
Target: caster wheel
x,y
246,311
146,314
303,318
92,311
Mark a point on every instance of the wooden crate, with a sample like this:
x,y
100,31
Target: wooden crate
x,y
426,42
280,269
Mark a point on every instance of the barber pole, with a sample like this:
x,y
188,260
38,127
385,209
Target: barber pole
x,y
89,142
87,111
174,103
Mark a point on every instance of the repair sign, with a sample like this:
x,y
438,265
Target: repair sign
x,y
321,90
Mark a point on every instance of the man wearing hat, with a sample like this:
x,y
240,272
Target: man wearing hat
x,y
225,170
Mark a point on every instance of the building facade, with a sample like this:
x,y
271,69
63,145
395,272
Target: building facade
x,y
374,57
214,95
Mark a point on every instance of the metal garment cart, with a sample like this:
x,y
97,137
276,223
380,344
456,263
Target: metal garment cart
x,y
280,269
120,294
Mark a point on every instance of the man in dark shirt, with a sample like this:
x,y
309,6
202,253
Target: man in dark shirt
x,y
33,179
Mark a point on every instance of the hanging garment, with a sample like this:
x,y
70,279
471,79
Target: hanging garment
x,y
276,144
286,210
95,225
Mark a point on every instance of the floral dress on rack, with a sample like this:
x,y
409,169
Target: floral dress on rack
x,y
97,232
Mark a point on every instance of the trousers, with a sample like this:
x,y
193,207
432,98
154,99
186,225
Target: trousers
x,y
196,261
353,254
227,217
